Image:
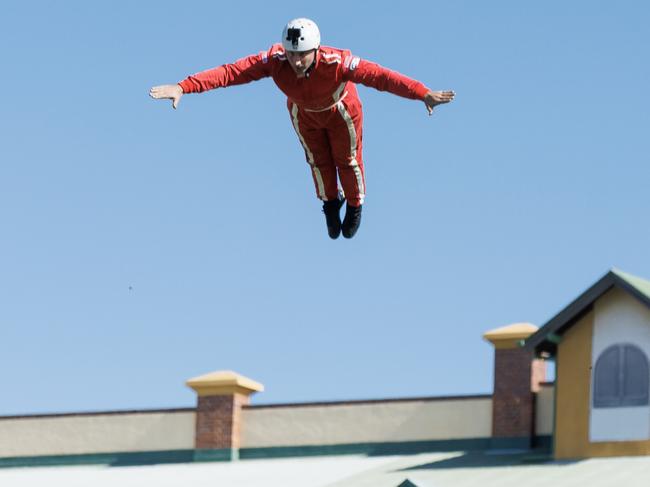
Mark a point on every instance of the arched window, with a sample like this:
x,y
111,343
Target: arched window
x,y
621,377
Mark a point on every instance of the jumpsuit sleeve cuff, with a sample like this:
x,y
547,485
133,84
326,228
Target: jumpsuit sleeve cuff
x,y
185,86
421,91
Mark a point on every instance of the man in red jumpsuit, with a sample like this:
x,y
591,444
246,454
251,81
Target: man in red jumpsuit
x,y
325,109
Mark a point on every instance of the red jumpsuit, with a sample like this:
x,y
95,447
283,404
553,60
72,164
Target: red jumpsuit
x,y
325,109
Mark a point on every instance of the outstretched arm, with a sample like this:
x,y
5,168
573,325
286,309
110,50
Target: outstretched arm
x,y
371,74
172,92
245,70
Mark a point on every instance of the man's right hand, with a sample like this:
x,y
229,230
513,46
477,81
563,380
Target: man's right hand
x,y
172,92
434,98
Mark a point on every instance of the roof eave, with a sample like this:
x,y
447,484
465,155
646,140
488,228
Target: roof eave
x,y
576,309
540,342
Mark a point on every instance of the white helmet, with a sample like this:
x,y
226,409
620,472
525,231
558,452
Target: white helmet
x,y
300,35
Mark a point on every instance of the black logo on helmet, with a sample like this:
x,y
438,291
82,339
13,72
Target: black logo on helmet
x,y
293,35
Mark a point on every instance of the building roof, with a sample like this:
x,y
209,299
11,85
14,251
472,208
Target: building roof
x,y
451,469
547,337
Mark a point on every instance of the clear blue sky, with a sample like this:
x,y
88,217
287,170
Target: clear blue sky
x,y
142,246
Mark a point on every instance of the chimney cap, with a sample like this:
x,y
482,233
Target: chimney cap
x,y
222,383
509,336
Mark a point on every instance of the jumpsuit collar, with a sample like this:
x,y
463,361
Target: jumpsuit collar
x,y
313,65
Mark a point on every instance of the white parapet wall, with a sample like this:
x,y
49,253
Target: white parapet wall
x,y
97,433
367,422
356,422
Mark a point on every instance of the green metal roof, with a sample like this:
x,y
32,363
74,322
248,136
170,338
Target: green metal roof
x,y
442,469
546,338
490,469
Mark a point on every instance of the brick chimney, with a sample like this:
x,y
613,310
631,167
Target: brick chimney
x,y
517,375
221,396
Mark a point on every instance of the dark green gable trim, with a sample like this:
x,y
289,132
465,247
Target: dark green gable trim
x,y
370,449
224,455
396,448
407,483
215,455
540,443
112,459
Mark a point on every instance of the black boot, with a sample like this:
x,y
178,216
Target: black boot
x,y
333,217
351,221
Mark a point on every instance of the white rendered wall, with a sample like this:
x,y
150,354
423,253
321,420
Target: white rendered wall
x,y
367,422
544,410
68,435
619,318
